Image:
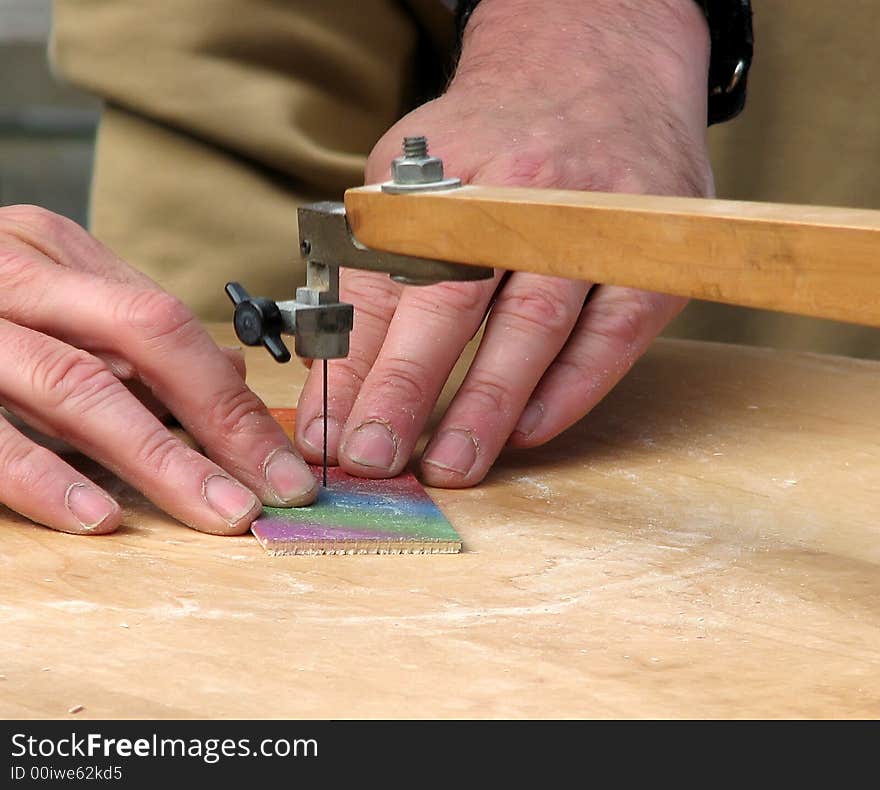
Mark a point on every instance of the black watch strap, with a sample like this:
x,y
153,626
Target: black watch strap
x,y
730,29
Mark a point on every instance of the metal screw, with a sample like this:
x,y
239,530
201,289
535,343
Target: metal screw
x,y
415,147
417,171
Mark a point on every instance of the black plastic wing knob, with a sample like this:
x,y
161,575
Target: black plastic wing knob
x,y
257,321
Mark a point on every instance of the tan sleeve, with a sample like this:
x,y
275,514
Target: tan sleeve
x,y
222,116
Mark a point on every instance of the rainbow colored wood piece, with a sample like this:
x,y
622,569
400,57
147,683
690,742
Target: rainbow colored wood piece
x,y
358,516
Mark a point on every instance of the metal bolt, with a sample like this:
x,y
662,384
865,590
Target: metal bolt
x,y
415,147
416,170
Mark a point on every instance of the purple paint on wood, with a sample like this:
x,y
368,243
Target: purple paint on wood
x,y
271,529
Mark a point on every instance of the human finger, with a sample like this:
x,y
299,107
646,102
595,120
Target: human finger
x,y
528,325
69,394
38,484
67,244
125,372
431,327
375,297
171,353
615,328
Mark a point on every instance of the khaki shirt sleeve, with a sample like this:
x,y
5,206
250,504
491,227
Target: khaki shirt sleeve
x,y
221,117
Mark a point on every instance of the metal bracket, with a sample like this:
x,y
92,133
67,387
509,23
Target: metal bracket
x,y
319,322
319,331
326,239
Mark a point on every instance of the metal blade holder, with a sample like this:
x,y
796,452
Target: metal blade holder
x,y
320,323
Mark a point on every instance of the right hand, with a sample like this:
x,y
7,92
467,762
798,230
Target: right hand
x,y
74,322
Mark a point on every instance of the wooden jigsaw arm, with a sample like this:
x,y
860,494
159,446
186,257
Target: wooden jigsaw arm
x,y
807,260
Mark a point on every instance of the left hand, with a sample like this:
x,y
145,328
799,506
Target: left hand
x,y
552,348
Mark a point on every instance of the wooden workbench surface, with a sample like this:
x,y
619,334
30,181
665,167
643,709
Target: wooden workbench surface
x,y
706,543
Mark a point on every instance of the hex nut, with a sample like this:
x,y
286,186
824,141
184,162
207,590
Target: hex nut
x,y
406,170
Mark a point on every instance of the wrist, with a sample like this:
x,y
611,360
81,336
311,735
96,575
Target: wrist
x,y
591,50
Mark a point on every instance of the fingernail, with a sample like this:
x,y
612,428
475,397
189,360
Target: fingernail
x,y
313,435
372,444
530,419
88,505
290,479
228,498
453,450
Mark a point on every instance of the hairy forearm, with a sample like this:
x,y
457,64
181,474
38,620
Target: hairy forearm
x,y
598,70
571,42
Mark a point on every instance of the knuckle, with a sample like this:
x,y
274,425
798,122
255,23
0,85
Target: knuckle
x,y
620,326
541,308
581,367
158,452
19,274
64,376
159,316
488,394
351,371
36,221
402,381
25,465
232,411
628,321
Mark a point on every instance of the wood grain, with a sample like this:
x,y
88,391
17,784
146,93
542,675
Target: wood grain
x,y
704,544
808,260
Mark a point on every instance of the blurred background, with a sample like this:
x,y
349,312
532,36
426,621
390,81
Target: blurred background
x,y
811,134
47,129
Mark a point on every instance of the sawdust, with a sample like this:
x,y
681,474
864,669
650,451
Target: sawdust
x,y
540,487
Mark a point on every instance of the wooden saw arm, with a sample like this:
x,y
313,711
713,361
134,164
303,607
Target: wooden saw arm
x,y
814,261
